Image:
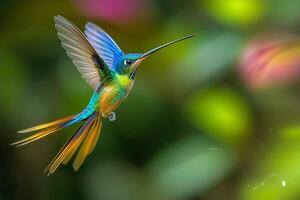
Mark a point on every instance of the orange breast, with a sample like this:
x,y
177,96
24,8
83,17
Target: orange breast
x,y
111,97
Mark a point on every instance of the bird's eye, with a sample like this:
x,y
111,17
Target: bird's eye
x,y
128,62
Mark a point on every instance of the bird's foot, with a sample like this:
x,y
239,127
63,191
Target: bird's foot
x,y
112,116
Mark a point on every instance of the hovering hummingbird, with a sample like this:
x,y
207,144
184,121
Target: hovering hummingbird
x,y
110,73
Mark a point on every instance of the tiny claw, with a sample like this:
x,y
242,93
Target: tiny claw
x,y
112,116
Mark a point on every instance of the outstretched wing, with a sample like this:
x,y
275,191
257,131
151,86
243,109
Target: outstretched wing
x,y
88,62
105,46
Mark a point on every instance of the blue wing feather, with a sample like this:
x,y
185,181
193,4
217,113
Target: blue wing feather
x,y
105,46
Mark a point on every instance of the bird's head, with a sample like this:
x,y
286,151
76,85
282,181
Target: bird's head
x,y
129,62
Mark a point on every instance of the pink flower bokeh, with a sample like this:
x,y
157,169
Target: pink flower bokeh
x,y
271,61
114,11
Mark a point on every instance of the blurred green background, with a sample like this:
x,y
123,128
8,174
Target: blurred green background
x,y
191,129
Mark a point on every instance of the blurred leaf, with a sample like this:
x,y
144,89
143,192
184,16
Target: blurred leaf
x,y
222,114
291,132
208,59
190,167
112,181
238,13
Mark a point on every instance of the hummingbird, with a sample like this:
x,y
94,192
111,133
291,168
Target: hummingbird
x,y
111,74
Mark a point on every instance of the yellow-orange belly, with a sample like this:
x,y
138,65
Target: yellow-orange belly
x,y
111,97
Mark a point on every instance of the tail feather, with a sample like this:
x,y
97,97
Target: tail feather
x,y
47,125
71,145
95,138
85,134
88,143
36,136
44,130
73,149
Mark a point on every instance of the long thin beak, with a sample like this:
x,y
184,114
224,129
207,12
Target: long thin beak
x,y
165,45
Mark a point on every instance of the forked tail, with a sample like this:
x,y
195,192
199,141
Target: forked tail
x,y
87,134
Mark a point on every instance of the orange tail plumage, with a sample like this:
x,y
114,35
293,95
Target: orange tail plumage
x,y
87,134
44,130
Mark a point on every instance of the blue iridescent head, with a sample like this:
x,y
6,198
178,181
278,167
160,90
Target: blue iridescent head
x,y
128,63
